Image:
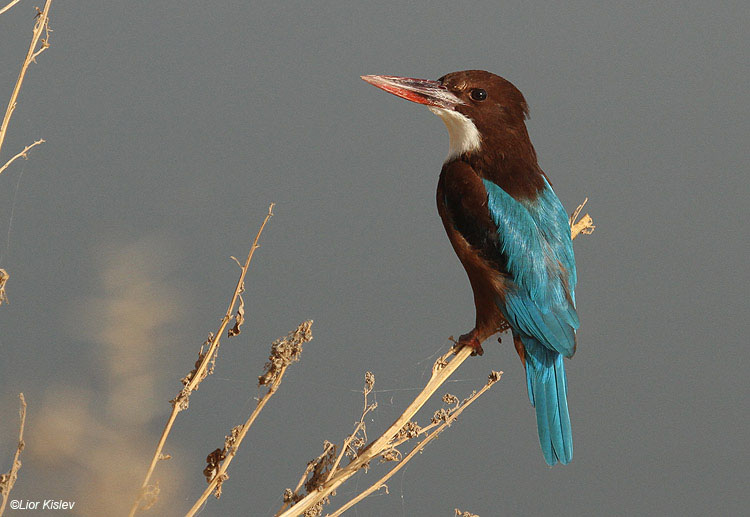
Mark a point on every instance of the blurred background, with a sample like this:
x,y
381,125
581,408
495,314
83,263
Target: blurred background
x,y
170,127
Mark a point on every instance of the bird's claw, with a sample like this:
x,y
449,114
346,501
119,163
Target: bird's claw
x,y
470,339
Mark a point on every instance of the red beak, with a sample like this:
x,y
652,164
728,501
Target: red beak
x,y
422,91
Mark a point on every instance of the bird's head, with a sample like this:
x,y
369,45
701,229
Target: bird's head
x,y
476,106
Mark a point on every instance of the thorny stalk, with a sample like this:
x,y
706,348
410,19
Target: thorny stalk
x,y
202,370
40,26
442,419
9,479
284,352
441,371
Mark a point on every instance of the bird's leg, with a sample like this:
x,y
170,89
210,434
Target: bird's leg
x,y
471,339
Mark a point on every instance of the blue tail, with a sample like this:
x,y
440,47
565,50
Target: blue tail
x,y
548,392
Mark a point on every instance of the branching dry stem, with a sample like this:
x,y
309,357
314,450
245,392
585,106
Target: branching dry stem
x,y
8,480
450,418
40,26
441,370
23,154
201,371
283,353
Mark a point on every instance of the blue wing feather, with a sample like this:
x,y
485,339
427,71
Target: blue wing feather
x,y
534,238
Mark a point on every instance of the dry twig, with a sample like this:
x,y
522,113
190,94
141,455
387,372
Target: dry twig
x,y
203,367
443,419
441,370
284,352
9,479
23,154
460,513
584,226
11,4
40,26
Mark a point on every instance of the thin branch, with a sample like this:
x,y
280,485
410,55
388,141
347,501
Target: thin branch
x,y
11,4
441,370
360,427
22,154
195,377
283,353
8,480
41,25
292,496
493,378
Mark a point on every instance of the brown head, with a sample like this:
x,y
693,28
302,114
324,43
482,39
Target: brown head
x,y
485,116
478,107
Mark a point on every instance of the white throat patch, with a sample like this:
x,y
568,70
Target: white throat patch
x,y
464,135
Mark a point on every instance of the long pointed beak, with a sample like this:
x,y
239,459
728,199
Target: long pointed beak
x,y
422,91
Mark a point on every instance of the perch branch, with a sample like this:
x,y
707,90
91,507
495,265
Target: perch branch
x,y
441,370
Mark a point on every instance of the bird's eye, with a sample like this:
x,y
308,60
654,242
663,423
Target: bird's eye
x,y
478,94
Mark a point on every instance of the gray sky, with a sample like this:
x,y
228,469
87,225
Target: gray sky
x,y
171,126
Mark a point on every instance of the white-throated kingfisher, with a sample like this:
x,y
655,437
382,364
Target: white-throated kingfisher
x,y
510,232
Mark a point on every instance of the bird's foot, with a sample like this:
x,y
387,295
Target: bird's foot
x,y
471,339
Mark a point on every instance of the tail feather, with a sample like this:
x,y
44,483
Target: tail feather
x,y
548,390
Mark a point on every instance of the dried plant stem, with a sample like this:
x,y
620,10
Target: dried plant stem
x,y
284,352
201,371
441,371
584,226
11,4
21,154
8,480
417,448
40,26
4,276
221,472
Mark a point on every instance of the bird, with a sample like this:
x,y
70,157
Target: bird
x,y
510,232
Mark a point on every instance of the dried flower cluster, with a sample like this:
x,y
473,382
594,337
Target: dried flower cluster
x,y
284,352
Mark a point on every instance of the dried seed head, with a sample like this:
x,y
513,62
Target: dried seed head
x,y
285,351
494,377
390,455
450,399
410,430
369,381
441,415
